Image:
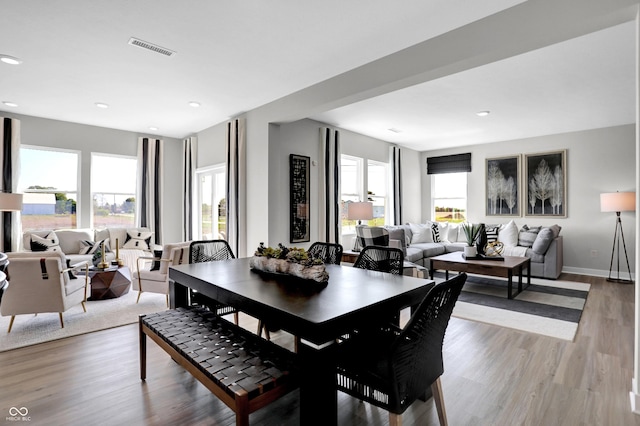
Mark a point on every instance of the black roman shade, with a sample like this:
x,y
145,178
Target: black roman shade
x,y
456,163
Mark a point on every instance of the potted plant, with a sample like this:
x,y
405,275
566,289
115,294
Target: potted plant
x,y
471,232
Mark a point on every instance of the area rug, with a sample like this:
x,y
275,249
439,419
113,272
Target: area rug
x,y
101,314
547,307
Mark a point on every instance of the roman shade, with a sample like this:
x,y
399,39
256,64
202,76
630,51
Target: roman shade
x,y
456,163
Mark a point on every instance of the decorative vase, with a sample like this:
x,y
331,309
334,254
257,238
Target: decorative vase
x,y
470,251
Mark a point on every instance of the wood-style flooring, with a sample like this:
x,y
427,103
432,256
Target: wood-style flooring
x,y
493,376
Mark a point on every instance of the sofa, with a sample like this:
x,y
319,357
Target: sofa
x,y
543,245
80,245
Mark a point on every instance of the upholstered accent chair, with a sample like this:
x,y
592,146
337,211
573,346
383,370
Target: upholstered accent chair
x,y
392,367
370,236
41,282
152,272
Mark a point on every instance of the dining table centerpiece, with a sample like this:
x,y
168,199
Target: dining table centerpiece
x,y
292,261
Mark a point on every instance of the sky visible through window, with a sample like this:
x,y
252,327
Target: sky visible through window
x,y
56,169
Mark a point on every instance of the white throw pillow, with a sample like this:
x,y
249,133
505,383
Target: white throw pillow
x,y
48,243
508,234
140,240
421,233
89,247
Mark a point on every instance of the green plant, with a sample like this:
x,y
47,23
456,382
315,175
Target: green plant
x,y
471,232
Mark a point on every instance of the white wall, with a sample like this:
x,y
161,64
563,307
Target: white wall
x,y
87,139
601,160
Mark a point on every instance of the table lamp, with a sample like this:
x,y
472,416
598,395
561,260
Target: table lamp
x,y
618,202
360,210
9,202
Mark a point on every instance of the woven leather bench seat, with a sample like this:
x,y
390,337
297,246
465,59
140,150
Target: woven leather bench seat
x,y
243,370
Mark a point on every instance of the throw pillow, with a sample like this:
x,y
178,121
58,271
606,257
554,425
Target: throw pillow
x,y
72,276
48,243
508,234
396,233
527,235
138,240
492,233
435,232
156,262
421,233
543,241
90,247
555,229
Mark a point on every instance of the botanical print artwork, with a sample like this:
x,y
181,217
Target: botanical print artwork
x,y
546,184
503,189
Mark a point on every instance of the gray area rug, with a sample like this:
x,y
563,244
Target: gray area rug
x,y
547,307
101,314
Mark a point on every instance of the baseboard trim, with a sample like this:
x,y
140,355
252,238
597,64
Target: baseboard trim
x,y
591,272
635,398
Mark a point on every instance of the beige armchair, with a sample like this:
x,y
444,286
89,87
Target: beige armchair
x,y
146,280
40,282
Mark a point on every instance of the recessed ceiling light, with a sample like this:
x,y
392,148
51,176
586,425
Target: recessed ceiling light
x,y
101,105
10,60
153,128
194,104
11,104
483,113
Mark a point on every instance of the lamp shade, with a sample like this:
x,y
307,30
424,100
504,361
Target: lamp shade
x,y
360,211
618,202
10,202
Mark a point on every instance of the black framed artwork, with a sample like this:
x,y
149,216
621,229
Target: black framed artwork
x,y
299,198
503,186
546,184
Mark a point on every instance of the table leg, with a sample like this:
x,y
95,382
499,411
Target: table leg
x,y
318,394
178,295
520,280
446,275
510,285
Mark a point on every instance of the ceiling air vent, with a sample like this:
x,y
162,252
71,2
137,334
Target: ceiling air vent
x,y
150,46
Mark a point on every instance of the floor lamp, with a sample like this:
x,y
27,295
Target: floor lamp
x,y
618,202
359,210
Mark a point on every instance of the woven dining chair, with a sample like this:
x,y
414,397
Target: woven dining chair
x,y
329,252
380,258
211,251
392,367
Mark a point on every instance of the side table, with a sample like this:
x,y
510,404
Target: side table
x,y
109,283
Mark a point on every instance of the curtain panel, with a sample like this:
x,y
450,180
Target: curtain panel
x,y
236,187
396,179
329,182
189,146
10,154
149,200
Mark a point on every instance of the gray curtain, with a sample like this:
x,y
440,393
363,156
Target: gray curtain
x,y
396,172
188,169
236,187
149,200
10,154
329,182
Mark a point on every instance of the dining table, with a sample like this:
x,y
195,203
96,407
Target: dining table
x,y
317,313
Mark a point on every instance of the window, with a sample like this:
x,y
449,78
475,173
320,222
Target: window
x,y
378,182
113,189
50,181
212,211
350,189
449,197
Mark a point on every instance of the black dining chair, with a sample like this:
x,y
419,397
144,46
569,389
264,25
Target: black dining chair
x,y
392,367
380,258
211,251
330,253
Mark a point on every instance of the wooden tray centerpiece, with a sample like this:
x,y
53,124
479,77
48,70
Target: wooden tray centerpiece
x,y
293,261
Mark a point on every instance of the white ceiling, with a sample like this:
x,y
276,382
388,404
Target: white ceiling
x,y
235,56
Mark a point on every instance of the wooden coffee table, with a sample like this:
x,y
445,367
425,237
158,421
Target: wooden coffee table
x,y
496,268
109,283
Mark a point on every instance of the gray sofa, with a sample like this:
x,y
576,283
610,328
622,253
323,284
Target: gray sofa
x,y
546,256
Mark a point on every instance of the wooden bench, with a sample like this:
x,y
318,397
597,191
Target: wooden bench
x,y
243,370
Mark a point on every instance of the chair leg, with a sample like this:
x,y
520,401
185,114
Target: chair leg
x,y
438,398
395,419
11,323
84,307
61,321
139,294
167,299
236,317
262,327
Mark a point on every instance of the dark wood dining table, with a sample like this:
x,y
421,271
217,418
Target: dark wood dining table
x,y
352,299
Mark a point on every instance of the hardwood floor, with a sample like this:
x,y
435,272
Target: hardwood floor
x,y
493,376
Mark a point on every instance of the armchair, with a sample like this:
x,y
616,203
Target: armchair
x,y
40,282
144,279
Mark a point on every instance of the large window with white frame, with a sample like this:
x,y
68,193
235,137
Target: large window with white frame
x,y
113,189
449,197
378,187
211,203
351,189
49,179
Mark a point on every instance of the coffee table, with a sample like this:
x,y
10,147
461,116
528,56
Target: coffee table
x,y
496,268
109,283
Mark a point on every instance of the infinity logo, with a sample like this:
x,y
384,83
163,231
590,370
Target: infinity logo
x,y
22,411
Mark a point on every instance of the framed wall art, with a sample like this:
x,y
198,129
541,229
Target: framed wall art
x,y
299,198
546,184
503,186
